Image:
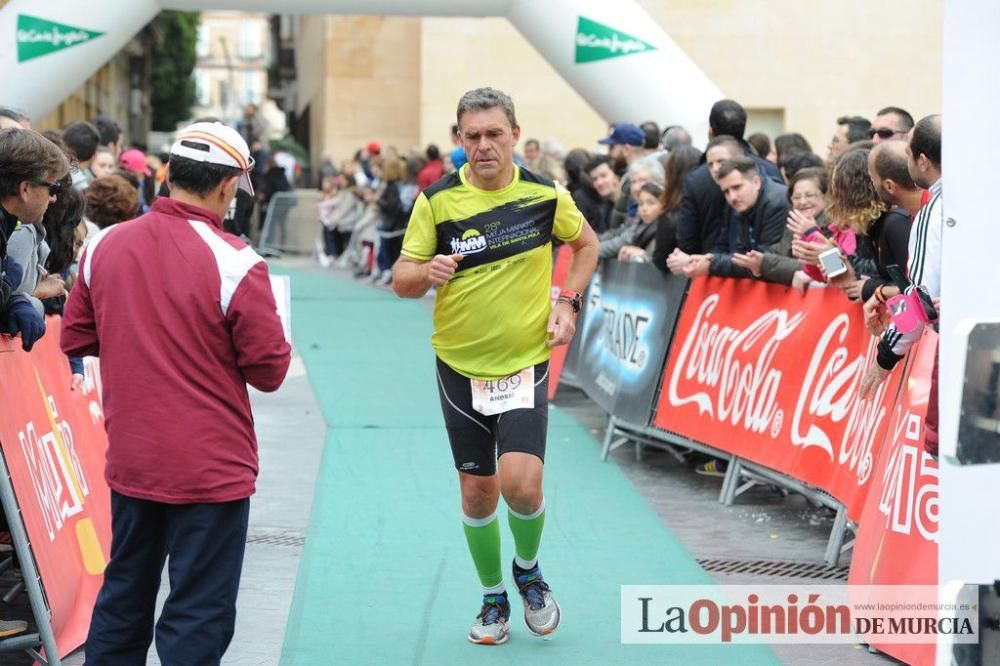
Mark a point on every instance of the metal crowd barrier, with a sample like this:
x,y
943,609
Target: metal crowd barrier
x,y
291,223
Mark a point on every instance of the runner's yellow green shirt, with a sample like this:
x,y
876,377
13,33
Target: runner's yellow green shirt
x,y
490,319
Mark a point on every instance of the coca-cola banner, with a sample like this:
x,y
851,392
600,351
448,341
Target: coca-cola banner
x,y
898,532
772,376
624,334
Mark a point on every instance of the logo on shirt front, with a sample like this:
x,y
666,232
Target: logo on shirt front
x,y
470,243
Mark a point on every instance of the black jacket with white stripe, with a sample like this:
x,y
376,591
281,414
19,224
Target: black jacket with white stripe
x,y
924,268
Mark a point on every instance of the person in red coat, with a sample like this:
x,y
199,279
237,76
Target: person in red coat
x,y
431,171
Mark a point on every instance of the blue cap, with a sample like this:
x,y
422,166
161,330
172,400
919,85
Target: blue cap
x,y
625,134
458,157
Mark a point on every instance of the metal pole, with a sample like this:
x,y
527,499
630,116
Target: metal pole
x,y
609,434
728,493
836,541
29,572
232,105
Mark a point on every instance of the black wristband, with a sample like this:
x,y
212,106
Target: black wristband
x,y
570,302
885,357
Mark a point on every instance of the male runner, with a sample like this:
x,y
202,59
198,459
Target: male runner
x,y
483,237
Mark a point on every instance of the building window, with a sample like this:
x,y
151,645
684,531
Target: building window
x,y
223,88
251,88
204,86
250,38
204,44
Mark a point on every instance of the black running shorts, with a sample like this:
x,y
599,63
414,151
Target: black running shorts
x,y
477,440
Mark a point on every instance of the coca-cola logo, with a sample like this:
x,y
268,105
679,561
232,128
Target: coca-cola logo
x,y
829,396
729,373
731,376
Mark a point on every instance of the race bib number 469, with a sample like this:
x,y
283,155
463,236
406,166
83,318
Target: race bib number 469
x,y
502,395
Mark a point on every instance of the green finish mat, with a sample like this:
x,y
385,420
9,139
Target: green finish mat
x,y
385,576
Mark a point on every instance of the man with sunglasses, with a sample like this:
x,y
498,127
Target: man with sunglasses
x,y
28,246
182,316
32,169
890,123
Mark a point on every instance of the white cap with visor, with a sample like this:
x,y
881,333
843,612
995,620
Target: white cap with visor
x,y
216,143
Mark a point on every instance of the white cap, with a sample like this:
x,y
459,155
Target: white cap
x,y
215,143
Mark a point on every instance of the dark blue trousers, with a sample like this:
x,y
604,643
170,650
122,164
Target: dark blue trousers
x,y
203,545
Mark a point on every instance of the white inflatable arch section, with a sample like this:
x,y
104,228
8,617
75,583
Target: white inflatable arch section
x,y
613,54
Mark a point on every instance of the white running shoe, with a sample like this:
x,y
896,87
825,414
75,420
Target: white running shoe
x,y
492,625
542,615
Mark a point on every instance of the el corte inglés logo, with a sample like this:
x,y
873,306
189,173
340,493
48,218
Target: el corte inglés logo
x,y
37,37
596,41
470,243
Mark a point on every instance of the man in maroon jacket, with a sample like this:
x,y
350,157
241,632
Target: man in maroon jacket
x,y
182,317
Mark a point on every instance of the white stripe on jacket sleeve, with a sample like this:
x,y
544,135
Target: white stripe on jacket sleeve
x,y
233,264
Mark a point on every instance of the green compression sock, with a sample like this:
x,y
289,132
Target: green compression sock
x,y
483,536
527,532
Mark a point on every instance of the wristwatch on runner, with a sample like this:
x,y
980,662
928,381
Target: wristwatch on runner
x,y
574,299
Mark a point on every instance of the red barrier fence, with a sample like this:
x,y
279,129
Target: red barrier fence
x,y
772,376
53,440
897,536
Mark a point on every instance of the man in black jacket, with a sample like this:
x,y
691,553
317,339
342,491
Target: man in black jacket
x,y
702,205
720,150
607,185
754,219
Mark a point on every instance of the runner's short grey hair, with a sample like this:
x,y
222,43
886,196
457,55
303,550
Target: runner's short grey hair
x,y
482,99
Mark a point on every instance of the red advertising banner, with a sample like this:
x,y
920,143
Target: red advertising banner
x,y
897,536
53,441
564,258
771,375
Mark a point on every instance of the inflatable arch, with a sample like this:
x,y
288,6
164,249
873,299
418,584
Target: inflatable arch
x,y
613,54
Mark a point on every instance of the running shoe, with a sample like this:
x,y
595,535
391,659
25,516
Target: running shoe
x,y
492,625
12,627
541,612
716,468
